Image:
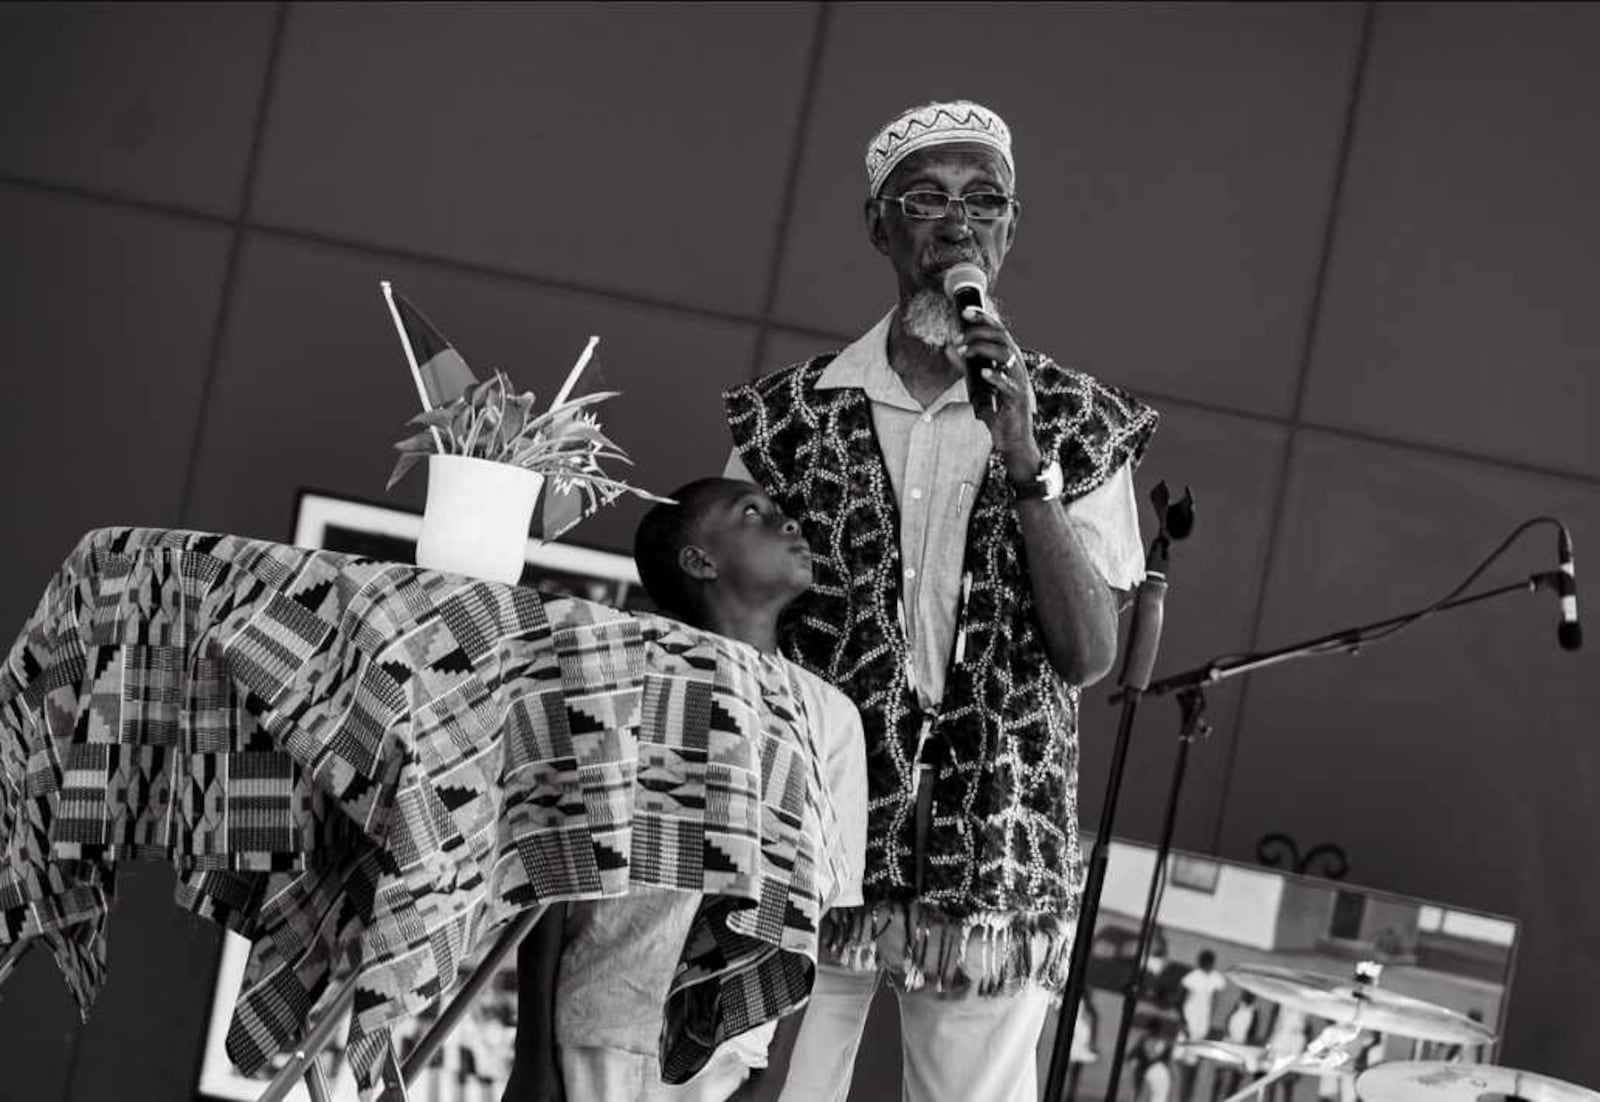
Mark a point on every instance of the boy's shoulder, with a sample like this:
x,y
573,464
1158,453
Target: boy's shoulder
x,y
828,694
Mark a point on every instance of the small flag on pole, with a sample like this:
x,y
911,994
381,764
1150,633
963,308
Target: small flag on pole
x,y
441,372
442,375
560,510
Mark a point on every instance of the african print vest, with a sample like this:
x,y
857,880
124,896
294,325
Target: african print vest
x,y
1004,835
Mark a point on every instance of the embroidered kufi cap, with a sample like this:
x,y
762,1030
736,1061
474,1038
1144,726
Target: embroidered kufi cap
x,y
956,122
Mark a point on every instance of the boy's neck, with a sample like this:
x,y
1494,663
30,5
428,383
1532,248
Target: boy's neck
x,y
756,626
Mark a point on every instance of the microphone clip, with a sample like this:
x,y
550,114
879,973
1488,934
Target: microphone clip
x,y
1174,521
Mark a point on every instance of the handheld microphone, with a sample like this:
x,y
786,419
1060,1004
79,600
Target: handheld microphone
x,y
1570,633
967,285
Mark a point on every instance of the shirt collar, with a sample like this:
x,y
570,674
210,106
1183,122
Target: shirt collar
x,y
864,365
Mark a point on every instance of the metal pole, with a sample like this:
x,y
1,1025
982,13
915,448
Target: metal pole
x,y
1088,911
1193,703
464,998
305,1056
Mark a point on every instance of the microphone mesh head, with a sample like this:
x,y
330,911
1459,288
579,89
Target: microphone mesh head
x,y
965,275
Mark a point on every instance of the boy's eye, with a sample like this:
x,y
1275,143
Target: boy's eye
x,y
752,510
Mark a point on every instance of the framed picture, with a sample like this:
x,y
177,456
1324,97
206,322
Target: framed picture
x,y
219,1077
1194,873
357,527
476,1061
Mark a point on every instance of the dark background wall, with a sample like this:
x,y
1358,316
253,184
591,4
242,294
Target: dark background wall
x,y
1350,251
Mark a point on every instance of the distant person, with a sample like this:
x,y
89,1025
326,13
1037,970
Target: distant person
x,y
1288,1040
1152,1067
1239,1029
1083,1039
1241,1024
726,559
1200,987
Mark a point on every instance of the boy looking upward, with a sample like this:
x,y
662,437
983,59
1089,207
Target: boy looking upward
x,y
723,558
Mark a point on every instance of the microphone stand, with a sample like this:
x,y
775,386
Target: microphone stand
x,y
1175,521
1189,689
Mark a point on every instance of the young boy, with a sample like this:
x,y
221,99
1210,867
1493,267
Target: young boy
x,y
723,558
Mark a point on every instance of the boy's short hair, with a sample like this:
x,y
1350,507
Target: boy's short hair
x,y
664,532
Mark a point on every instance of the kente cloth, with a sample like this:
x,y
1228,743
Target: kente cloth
x,y
370,766
1002,856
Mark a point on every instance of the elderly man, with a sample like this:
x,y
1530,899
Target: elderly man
x,y
967,558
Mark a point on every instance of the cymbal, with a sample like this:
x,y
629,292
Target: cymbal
x,y
1431,1081
1373,1008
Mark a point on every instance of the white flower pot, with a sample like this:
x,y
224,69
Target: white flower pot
x,y
476,521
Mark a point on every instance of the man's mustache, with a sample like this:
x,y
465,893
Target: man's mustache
x,y
945,258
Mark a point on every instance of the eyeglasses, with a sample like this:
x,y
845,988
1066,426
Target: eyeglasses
x,y
980,206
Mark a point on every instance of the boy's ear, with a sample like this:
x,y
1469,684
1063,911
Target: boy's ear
x,y
694,562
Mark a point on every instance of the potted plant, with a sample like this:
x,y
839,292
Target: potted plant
x,y
490,456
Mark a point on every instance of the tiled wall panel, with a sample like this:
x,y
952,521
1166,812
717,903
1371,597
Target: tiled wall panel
x,y
638,148
150,101
1460,307
104,331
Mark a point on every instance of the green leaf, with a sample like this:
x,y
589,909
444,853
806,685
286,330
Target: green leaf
x,y
402,465
439,417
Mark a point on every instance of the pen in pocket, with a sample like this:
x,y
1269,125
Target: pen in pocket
x,y
961,615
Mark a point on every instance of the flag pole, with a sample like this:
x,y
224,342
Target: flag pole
x,y
561,396
411,358
577,370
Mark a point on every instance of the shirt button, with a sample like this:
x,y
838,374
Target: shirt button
x,y
911,572
916,495
927,418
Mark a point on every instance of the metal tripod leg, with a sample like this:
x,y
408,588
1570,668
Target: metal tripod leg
x,y
393,1076
317,1083
396,1077
507,943
303,1064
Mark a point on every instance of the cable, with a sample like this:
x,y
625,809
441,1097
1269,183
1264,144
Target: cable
x,y
1477,572
1341,646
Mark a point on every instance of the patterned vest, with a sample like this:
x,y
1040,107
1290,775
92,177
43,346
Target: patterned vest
x,y
1004,835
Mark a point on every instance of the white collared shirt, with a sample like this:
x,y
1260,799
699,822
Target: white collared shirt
x,y
936,458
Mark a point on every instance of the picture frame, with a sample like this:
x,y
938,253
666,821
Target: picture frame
x,y
1193,873
473,1065
336,522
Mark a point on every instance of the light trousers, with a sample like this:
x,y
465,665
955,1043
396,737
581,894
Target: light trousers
x,y
592,1073
971,1049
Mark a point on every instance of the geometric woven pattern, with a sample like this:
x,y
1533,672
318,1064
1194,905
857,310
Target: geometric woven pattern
x,y
365,764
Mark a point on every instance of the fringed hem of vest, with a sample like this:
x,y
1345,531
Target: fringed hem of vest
x,y
986,954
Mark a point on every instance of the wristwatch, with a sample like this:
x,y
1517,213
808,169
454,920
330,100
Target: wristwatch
x,y
1046,485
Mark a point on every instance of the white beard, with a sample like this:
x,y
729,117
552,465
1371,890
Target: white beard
x,y
931,318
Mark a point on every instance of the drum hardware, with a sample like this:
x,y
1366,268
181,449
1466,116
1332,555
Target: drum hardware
x,y
1350,1008
1435,1081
